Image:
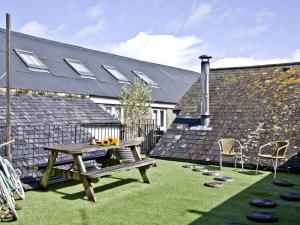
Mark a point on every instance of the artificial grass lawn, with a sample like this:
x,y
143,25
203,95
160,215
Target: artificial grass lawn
x,y
175,196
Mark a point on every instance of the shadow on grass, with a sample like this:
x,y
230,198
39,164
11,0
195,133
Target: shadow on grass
x,y
236,208
81,194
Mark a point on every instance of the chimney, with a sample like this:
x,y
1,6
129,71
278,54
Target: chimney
x,y
205,90
205,115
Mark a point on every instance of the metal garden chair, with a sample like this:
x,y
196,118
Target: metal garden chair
x,y
279,151
232,148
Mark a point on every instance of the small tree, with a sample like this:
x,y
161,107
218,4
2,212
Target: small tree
x,y
136,104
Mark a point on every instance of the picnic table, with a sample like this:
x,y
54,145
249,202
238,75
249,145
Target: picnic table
x,y
90,176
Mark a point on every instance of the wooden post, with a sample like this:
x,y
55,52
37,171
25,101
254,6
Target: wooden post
x,y
8,103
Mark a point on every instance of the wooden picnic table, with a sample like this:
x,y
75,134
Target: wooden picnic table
x,y
94,175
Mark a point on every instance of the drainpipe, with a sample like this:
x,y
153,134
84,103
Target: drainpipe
x,y
205,116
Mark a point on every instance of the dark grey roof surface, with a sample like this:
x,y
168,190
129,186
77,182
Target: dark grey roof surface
x,y
174,82
41,110
255,105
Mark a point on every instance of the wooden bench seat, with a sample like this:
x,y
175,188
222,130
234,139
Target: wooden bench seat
x,y
96,157
97,173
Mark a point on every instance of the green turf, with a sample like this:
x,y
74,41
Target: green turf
x,y
175,196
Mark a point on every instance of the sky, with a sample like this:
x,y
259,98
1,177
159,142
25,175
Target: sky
x,y
170,32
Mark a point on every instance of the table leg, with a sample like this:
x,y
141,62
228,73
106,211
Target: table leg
x,y
89,191
137,157
47,172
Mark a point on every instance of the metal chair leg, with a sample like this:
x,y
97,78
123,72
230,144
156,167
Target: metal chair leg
x,y
242,161
235,160
257,165
220,162
275,168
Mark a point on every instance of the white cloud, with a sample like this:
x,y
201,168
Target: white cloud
x,y
182,52
163,49
248,31
35,28
296,54
249,61
190,18
95,11
262,20
38,29
201,12
89,30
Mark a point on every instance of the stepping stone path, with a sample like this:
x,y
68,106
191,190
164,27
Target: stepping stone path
x,y
290,196
263,203
223,178
214,184
283,183
267,217
211,173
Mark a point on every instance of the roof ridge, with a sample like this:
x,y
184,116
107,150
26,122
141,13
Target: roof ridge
x,y
93,50
257,66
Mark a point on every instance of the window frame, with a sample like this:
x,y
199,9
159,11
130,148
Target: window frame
x,y
39,65
84,74
159,115
145,78
122,81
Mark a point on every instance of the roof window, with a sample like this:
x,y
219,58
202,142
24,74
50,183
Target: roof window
x,y
116,74
80,68
145,78
31,60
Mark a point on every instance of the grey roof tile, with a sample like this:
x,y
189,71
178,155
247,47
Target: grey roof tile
x,y
253,104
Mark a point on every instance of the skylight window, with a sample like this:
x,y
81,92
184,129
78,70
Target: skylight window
x,y
80,68
116,74
31,60
145,78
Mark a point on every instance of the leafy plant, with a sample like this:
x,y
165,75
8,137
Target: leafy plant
x,y
136,102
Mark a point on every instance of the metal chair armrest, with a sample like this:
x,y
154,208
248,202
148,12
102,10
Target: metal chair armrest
x,y
265,145
282,147
241,146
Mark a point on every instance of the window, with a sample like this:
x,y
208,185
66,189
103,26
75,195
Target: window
x,y
80,68
145,78
108,109
159,117
114,111
31,60
116,74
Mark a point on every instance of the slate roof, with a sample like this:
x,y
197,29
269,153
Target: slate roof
x,y
40,110
253,104
174,82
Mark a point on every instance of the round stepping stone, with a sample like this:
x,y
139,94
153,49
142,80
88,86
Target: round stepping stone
x,y
199,169
263,203
214,184
290,196
283,183
267,217
189,166
211,173
223,178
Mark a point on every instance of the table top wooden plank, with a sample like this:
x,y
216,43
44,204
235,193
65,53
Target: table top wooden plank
x,y
86,147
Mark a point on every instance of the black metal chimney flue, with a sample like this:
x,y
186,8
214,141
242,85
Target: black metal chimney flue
x,y
205,115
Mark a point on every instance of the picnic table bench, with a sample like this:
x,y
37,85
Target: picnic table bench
x,y
90,176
